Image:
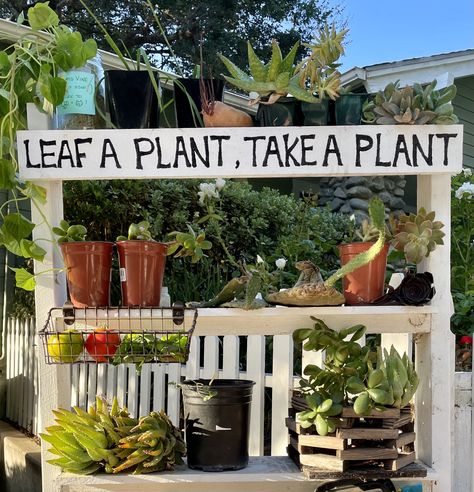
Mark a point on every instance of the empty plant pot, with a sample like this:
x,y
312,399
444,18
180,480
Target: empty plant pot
x,y
316,114
367,282
88,266
131,99
349,109
285,112
218,423
142,266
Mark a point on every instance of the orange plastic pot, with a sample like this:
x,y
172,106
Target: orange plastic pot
x,y
367,282
88,265
142,266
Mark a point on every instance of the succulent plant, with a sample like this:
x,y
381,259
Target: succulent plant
x,y
140,231
275,79
69,233
318,72
411,105
417,235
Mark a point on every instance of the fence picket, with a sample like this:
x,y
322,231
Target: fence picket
x,y
111,387
159,375
9,369
230,359
30,408
91,385
193,365
211,357
132,391
121,389
145,390
82,385
75,385
256,372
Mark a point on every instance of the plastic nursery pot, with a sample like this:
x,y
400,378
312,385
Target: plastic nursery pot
x,y
142,265
349,109
217,429
88,266
186,89
285,112
316,114
367,282
131,99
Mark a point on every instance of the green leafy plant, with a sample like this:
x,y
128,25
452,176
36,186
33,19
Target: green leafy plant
x,y
30,73
411,105
69,233
188,244
356,376
140,231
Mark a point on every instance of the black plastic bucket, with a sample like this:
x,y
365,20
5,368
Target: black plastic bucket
x,y
217,429
131,99
285,112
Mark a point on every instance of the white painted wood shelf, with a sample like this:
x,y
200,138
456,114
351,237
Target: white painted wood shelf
x,y
264,474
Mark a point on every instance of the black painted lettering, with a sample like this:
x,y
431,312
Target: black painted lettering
x,y
195,152
219,139
401,148
378,162
362,148
418,149
79,154
306,148
108,151
446,137
141,151
27,151
65,154
159,152
181,152
254,147
289,149
44,154
332,148
272,149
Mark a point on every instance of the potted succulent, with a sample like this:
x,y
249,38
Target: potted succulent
x,y
142,265
88,266
411,105
217,415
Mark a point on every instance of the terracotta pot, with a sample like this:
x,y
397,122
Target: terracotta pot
x,y
88,265
142,265
367,282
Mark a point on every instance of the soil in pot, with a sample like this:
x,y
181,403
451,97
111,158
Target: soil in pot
x,y
349,109
217,429
131,99
367,282
285,112
88,265
186,89
142,266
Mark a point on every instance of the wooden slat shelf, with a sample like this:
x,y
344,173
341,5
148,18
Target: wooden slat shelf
x,y
268,473
284,320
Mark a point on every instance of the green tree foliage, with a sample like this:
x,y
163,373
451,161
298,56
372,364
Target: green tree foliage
x,y
225,26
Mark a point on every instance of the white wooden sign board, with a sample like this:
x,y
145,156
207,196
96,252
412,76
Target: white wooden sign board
x,y
262,152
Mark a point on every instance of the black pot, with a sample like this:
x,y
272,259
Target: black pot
x,y
316,114
285,112
131,99
349,109
217,429
186,89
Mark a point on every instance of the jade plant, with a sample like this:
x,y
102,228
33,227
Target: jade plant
x,y
69,233
310,80
30,73
365,379
412,105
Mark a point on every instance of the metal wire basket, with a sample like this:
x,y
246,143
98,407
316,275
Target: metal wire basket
x,y
118,335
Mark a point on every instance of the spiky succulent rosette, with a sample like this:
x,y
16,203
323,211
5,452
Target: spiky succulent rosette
x,y
112,441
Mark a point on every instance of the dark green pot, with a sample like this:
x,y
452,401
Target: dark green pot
x,y
349,109
285,112
316,114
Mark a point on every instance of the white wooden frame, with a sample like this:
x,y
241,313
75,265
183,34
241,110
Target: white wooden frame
x,y
430,325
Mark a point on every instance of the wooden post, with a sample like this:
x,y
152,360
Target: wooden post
x,y
435,350
54,380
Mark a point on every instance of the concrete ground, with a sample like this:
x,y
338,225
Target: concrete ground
x,y
20,461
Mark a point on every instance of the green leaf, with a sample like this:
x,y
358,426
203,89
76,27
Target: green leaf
x,y
17,226
301,334
24,280
35,192
41,16
7,174
30,249
53,89
325,406
354,385
361,404
4,61
321,425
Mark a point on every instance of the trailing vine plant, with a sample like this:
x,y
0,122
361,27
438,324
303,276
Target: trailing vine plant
x,y
30,73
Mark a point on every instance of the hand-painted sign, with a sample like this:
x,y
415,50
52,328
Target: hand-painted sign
x,y
240,152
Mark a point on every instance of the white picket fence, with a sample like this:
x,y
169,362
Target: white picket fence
x,y
155,388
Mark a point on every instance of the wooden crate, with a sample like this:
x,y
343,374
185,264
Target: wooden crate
x,y
381,440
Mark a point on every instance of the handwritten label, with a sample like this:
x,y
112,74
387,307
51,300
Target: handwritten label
x,y
79,98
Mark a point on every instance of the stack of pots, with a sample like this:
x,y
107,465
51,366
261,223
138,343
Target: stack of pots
x,y
89,266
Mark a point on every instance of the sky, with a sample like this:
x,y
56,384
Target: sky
x,y
382,31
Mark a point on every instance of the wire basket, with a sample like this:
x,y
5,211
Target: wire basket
x,y
118,335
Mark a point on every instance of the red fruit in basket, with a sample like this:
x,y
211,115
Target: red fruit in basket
x,y
102,344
